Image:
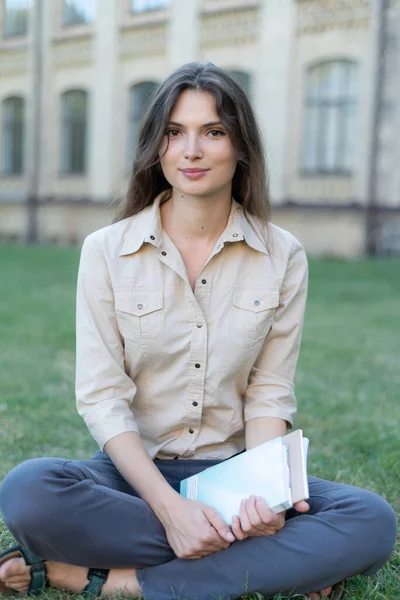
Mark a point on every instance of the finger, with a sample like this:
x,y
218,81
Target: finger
x,y
302,506
244,518
19,587
254,518
219,524
237,530
325,592
209,540
271,519
16,579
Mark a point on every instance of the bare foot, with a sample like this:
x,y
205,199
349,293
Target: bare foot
x,y
319,595
15,575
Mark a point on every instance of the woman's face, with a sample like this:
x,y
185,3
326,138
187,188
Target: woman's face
x,y
197,157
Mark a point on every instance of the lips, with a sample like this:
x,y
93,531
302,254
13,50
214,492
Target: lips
x,y
194,173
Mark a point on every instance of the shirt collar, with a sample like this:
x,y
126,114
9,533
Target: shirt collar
x,y
247,228
146,228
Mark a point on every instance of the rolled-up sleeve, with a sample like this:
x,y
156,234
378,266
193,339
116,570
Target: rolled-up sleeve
x,y
104,392
270,391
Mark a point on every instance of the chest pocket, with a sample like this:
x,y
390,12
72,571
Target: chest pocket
x,y
253,312
140,315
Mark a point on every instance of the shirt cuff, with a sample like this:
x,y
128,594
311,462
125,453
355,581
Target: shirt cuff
x,y
278,413
108,419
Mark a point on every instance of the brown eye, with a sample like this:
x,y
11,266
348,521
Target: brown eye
x,y
173,132
215,133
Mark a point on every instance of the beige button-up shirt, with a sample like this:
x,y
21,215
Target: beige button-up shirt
x,y
187,370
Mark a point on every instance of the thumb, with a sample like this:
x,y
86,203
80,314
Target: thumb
x,y
302,506
219,524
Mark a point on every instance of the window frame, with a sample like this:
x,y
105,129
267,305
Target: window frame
x,y
149,8
135,116
67,167
237,75
77,23
345,102
9,134
7,34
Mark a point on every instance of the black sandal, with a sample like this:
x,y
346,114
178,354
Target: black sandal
x,y
39,579
97,578
38,572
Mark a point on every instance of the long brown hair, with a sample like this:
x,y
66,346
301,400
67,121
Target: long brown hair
x,y
249,184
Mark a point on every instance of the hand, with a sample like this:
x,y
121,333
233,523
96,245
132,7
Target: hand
x,y
256,519
194,529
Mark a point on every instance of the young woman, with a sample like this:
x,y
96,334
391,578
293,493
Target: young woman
x,y
189,316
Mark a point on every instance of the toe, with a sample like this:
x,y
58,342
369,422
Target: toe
x,y
12,568
18,587
18,579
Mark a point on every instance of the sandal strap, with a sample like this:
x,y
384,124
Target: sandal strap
x,y
38,579
97,578
38,570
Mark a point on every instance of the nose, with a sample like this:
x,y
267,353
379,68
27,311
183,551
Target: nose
x,y
192,148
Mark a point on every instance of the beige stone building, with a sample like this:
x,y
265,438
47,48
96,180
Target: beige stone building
x,y
75,75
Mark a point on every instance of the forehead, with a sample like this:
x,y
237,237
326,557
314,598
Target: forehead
x,y
194,105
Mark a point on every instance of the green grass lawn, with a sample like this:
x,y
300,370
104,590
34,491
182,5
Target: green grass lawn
x,y
347,384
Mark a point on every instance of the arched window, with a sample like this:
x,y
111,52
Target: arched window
x,y
13,113
139,97
330,118
79,11
74,108
15,15
243,79
144,5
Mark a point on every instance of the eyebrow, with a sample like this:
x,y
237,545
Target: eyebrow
x,y
210,124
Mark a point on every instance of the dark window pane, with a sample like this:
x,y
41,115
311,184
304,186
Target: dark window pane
x,y
74,131
328,143
244,80
13,135
15,17
139,97
79,11
144,5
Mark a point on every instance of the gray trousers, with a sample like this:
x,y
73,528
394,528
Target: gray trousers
x,y
84,513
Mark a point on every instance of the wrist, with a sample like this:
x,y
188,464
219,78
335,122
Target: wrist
x,y
164,503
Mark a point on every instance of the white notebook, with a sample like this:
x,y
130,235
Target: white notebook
x,y
275,470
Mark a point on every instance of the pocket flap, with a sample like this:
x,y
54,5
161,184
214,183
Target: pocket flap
x,y
139,303
256,300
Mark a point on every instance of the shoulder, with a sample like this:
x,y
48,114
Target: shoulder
x,y
283,243
111,235
110,240
280,243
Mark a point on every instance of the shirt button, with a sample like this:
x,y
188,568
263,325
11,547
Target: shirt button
x,y
256,303
152,237
191,430
204,281
199,325
164,253
195,403
140,306
197,365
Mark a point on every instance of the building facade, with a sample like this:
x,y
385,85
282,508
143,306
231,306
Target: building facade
x,y
75,76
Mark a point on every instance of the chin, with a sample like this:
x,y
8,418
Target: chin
x,y
198,188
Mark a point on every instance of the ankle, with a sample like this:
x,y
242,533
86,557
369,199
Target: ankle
x,y
66,577
122,580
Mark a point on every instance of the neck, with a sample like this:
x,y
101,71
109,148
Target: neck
x,y
195,219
